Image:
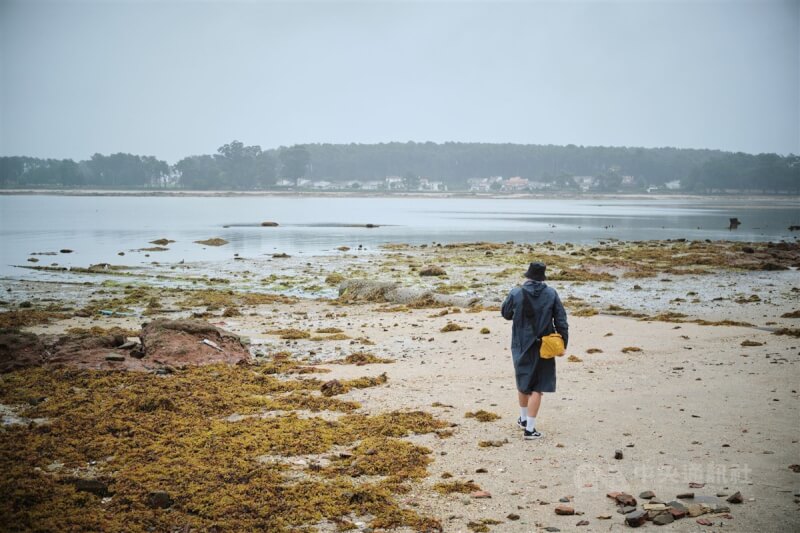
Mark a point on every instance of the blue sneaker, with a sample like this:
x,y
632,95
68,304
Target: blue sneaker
x,y
521,422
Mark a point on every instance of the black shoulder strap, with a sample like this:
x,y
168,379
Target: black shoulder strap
x,y
527,305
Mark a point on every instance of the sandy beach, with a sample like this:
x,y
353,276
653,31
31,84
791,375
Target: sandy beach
x,y
709,408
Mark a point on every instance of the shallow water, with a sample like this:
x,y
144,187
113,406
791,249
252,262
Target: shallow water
x,y
97,228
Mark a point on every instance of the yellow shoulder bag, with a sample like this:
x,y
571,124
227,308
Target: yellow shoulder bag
x,y
552,346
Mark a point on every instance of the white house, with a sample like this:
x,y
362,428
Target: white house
x,y
485,184
394,183
427,185
515,184
585,182
372,185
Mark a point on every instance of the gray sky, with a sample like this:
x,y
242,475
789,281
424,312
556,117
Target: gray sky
x,y
177,78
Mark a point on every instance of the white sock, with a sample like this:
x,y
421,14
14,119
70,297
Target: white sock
x,y
531,423
523,412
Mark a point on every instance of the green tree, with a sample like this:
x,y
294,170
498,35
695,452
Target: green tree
x,y
239,166
127,170
294,162
198,172
71,175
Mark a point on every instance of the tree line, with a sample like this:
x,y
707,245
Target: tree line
x,y
236,166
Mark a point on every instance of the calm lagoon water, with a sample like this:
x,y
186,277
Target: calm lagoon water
x,y
97,228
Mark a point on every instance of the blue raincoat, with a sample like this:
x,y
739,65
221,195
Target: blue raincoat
x,y
536,310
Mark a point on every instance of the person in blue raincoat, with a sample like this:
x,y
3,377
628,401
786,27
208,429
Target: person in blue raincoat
x,y
535,310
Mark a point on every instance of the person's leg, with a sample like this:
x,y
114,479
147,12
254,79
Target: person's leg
x,y
534,401
523,407
524,399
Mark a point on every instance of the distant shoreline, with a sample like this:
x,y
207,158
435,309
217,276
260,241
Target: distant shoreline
x,y
383,194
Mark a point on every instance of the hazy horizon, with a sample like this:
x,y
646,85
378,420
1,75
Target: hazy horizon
x,y
181,78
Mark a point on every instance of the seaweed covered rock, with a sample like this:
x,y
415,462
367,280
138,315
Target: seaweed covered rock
x,y
191,342
367,290
19,349
432,270
364,290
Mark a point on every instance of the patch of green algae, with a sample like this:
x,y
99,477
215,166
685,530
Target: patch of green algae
x,y
143,433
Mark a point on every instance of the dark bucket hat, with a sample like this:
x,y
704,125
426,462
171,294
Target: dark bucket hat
x,y
536,271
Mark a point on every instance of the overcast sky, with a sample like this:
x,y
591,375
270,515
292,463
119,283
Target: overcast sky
x,y
176,78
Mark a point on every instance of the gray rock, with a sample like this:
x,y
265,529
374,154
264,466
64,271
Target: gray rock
x,y
115,357
714,504
663,519
647,495
635,518
675,504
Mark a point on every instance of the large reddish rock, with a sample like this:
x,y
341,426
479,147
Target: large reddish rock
x,y
97,352
23,349
165,343
190,342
